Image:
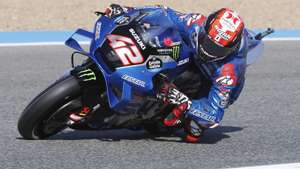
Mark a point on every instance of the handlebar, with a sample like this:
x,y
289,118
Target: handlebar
x,y
261,35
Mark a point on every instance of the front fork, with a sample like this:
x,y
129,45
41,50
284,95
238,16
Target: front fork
x,y
93,96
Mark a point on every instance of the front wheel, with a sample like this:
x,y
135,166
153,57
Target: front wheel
x,y
47,113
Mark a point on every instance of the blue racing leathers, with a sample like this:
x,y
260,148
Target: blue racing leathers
x,y
227,76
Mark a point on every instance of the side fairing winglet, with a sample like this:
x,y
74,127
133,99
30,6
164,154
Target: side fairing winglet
x,y
73,43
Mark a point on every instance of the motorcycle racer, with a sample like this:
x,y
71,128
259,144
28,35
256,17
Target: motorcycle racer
x,y
219,43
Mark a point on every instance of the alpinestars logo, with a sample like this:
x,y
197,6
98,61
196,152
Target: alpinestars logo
x,y
203,115
87,75
225,80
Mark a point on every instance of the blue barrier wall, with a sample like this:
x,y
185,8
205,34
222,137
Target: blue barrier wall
x,y
61,36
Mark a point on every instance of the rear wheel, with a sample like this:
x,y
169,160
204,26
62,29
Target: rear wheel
x,y
47,114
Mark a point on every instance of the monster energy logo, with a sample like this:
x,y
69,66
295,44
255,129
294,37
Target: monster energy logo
x,y
87,75
175,52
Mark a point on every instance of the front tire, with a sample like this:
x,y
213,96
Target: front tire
x,y
63,93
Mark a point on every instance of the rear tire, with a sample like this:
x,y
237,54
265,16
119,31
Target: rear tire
x,y
41,108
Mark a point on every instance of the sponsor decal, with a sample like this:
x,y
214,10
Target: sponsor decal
x,y
172,51
154,63
87,75
175,52
134,80
222,34
165,51
225,80
184,61
125,49
98,30
227,77
137,38
122,20
203,115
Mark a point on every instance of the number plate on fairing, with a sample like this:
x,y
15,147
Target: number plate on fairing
x,y
125,47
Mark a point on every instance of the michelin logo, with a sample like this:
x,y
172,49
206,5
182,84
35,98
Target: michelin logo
x,y
134,80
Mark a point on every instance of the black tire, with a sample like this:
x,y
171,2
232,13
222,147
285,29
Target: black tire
x,y
43,106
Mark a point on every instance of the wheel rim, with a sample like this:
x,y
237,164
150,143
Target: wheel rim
x,y
57,121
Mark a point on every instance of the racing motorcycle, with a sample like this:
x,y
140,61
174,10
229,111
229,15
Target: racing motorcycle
x,y
117,82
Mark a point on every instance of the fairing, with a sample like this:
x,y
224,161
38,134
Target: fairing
x,y
157,40
162,51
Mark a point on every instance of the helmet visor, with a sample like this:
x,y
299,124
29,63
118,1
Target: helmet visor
x,y
208,50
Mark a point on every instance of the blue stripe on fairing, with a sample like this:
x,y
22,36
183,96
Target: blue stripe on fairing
x,y
61,36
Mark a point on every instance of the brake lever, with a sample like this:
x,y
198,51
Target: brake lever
x,y
261,35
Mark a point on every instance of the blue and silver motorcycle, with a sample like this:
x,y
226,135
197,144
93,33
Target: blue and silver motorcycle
x,y
118,81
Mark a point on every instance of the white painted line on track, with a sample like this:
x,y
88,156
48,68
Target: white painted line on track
x,y
87,42
279,166
281,39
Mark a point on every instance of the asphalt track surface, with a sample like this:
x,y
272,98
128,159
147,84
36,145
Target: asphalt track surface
x,y
261,128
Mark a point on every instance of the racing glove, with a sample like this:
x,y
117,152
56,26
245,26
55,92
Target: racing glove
x,y
169,94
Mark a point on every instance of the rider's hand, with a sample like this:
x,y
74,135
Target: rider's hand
x,y
169,94
163,93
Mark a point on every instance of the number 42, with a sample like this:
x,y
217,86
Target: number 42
x,y
126,49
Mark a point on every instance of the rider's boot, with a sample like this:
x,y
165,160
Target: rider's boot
x,y
194,131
